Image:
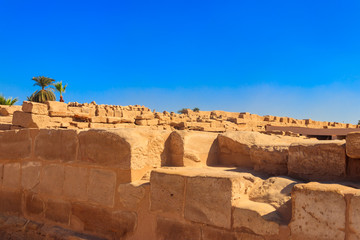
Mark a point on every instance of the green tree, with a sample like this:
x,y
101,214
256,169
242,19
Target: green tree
x,y
61,89
196,109
46,93
7,101
182,111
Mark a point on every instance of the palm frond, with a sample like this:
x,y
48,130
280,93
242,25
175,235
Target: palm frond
x,y
42,81
42,96
7,101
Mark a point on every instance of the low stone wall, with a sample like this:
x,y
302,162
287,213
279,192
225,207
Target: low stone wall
x,y
152,184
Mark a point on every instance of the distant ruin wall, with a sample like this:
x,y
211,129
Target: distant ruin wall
x,y
98,182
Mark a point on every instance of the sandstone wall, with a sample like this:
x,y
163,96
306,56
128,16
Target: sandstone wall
x,y
152,184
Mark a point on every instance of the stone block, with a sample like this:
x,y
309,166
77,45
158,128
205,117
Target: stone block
x,y
318,212
30,175
58,211
52,179
113,120
10,201
354,217
99,119
192,148
54,106
167,193
131,194
11,177
353,169
34,107
101,187
270,159
117,225
34,205
56,145
210,233
169,229
260,218
75,182
353,145
15,144
29,120
322,161
9,110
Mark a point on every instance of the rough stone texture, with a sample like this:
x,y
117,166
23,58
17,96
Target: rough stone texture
x,y
322,161
210,233
34,205
29,120
15,144
56,145
11,177
52,179
192,148
30,175
102,186
58,211
204,204
116,225
354,217
131,194
9,110
10,201
275,191
169,229
270,159
36,108
167,193
353,169
318,212
353,145
55,106
75,182
260,218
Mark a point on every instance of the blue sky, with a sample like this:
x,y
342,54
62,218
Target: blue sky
x,y
287,58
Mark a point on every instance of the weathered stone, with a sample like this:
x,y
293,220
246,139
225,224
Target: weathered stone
x,y
54,106
318,212
117,225
192,149
102,186
354,216
11,177
169,229
353,145
9,110
270,159
130,194
10,201
30,175
52,179
75,182
353,169
29,120
58,211
167,193
36,108
322,161
260,218
15,144
61,145
34,205
210,233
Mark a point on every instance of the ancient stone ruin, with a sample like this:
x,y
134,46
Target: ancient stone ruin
x,y
84,171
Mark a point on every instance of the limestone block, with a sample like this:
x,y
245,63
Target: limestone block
x,y
52,179
167,193
15,144
10,201
260,218
34,107
145,116
101,125
9,110
208,200
210,233
354,216
102,187
117,225
100,111
54,106
113,120
317,161
68,115
30,175
58,211
56,144
75,182
318,212
29,120
270,159
169,229
131,194
192,148
34,205
11,177
99,119
353,145
275,191
353,169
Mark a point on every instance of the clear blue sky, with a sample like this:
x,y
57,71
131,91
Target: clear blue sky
x,y
287,58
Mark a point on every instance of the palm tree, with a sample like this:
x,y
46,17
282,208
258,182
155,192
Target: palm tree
x,y
46,93
61,89
7,101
